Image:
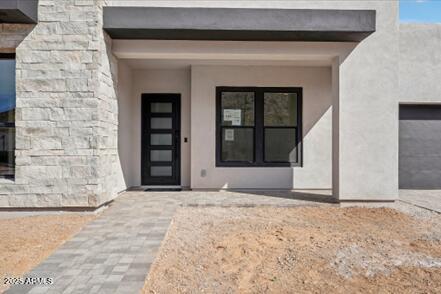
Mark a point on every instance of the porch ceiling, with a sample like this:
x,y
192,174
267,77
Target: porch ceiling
x,y
239,24
187,63
219,52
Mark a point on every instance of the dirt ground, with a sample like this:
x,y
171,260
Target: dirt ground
x,y
298,250
27,241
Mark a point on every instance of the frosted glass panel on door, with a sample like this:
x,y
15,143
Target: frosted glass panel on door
x,y
160,171
161,123
161,107
160,139
160,155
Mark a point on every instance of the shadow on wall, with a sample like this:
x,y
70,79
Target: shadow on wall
x,y
315,110
124,91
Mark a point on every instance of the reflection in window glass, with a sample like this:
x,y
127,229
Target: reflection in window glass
x,y
280,109
237,108
7,90
7,150
7,116
280,145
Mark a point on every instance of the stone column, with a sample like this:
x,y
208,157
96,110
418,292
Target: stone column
x,y
66,116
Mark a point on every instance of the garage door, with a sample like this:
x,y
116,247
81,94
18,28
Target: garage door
x,y
420,147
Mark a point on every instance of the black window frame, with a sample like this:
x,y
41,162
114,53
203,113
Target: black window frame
x,y
9,56
259,128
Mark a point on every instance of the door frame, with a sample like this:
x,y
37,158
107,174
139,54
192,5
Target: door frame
x,y
146,99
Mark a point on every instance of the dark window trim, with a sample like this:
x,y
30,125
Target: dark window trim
x,y
7,55
8,124
259,128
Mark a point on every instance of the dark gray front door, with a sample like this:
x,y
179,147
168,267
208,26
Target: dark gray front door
x,y
160,156
420,147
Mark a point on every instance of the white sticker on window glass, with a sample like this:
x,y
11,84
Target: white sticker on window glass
x,y
233,115
229,135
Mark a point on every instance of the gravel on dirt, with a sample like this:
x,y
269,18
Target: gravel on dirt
x,y
301,250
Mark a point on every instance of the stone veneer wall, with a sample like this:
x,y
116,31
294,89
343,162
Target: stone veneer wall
x,y
66,116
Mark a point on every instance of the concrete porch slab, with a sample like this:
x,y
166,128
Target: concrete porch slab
x,y
428,199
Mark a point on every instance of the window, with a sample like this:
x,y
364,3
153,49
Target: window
x,y
237,126
7,115
258,126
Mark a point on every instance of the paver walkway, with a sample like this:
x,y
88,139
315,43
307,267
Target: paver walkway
x,y
113,253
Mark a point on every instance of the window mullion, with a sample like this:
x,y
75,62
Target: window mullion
x,y
259,127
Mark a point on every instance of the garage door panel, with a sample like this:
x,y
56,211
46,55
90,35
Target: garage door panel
x,y
422,180
420,147
421,163
417,129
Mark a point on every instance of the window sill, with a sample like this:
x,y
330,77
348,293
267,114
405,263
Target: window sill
x,y
236,164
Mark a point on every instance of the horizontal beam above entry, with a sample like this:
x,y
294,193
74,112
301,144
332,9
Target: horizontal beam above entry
x,y
19,11
238,24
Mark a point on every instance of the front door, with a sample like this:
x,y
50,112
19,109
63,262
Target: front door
x,y
160,153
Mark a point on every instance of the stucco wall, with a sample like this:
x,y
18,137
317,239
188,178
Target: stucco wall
x,y
420,63
126,130
67,109
153,81
316,170
366,165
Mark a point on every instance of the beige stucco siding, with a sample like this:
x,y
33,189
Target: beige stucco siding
x,y
126,132
420,63
316,170
78,123
365,144
153,81
366,165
